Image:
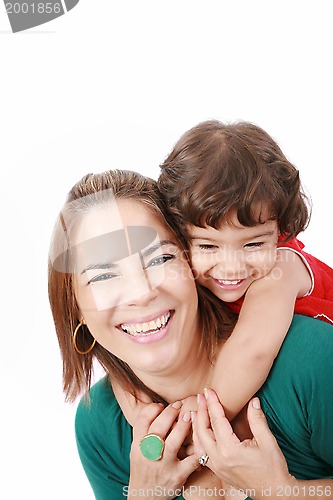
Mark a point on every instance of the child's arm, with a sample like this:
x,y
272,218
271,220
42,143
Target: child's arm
x,y
247,356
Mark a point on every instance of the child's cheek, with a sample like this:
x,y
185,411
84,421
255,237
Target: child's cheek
x,y
200,265
262,263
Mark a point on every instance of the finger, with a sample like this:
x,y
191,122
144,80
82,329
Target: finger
x,y
177,436
203,436
258,425
189,465
189,404
222,429
202,416
144,419
198,449
164,421
189,449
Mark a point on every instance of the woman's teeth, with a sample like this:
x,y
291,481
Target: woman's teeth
x,y
229,282
143,328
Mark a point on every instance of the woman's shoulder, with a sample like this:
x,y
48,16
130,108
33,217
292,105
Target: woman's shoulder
x,y
296,397
99,421
307,352
309,332
103,438
98,406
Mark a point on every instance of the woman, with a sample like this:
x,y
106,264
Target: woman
x,y
122,292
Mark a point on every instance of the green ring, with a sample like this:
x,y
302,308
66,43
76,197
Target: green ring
x,y
152,446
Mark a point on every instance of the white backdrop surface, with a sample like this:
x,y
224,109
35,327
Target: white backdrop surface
x,y
113,85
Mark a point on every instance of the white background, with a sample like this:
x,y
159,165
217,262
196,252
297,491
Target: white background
x,y
113,85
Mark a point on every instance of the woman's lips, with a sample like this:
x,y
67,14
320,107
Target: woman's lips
x,y
148,331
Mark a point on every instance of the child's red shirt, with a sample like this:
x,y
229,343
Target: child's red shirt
x,y
318,302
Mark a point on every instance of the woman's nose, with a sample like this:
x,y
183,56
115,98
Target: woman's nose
x,y
139,289
144,299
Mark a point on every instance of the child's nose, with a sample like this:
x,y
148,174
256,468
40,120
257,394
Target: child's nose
x,y
230,265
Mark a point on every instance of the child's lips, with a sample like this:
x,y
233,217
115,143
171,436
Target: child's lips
x,y
229,284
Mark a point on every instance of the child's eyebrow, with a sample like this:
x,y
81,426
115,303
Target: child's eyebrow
x,y
202,238
261,235
199,238
250,237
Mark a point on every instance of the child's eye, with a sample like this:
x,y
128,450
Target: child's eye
x,y
102,277
157,261
257,244
208,247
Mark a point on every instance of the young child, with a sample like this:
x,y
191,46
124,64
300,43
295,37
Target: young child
x,y
239,202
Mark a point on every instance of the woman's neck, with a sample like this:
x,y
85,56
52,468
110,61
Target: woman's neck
x,y
188,380
194,377
189,383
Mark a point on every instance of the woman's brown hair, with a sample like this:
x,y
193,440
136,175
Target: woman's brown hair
x,y
216,169
215,321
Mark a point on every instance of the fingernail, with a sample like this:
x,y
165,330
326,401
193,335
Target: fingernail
x,y
256,403
187,416
206,392
193,415
177,405
198,399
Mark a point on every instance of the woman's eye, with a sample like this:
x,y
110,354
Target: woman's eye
x,y
159,260
102,277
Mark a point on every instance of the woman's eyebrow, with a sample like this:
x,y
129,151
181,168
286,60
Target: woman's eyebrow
x,y
105,265
153,248
145,253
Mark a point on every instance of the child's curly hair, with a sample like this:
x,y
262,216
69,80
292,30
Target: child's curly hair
x,y
217,169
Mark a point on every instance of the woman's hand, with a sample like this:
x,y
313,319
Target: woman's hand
x,y
256,465
163,478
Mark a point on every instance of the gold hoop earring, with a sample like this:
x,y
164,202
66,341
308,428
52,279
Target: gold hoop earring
x,y
74,339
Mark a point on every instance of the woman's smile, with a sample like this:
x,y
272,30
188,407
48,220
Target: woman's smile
x,y
151,329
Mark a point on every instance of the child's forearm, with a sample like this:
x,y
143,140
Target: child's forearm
x,y
243,365
247,356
